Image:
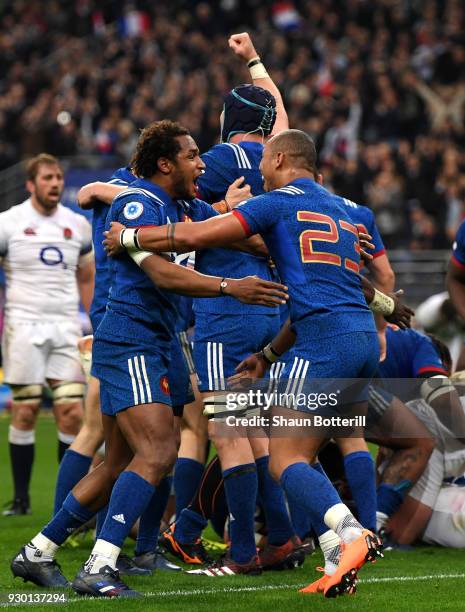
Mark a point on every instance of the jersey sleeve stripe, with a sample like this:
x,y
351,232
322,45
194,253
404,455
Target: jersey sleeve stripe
x,y
243,222
432,369
236,154
379,253
457,262
245,158
117,181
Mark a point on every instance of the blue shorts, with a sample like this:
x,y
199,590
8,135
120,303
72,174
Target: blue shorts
x,y
221,342
130,374
345,364
178,378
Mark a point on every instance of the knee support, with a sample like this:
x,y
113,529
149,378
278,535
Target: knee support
x,y
68,392
436,387
27,394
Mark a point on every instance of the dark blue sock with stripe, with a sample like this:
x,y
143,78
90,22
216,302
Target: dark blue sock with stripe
x,y
149,524
272,498
129,498
73,468
71,516
187,476
241,487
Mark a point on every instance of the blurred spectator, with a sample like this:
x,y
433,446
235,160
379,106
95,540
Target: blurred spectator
x,y
380,85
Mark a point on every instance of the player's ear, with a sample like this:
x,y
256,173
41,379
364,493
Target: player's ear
x,y
279,160
164,165
30,186
319,178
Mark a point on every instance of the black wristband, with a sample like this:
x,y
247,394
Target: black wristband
x,y
254,62
223,280
136,240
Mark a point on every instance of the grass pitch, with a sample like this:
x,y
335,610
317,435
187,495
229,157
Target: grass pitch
x,y
427,578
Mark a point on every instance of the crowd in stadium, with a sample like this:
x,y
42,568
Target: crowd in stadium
x,y
379,85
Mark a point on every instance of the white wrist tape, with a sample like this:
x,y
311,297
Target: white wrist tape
x,y
127,239
435,387
270,354
138,256
382,303
258,72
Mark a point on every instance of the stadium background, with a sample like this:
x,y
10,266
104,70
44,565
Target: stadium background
x,y
379,84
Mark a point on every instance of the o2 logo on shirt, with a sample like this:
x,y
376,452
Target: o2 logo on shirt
x,y
132,210
52,256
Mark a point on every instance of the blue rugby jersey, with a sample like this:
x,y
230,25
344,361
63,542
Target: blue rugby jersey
x,y
410,354
134,302
224,164
122,177
458,248
315,247
363,217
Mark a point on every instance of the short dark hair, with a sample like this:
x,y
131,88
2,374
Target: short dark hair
x,y
33,164
158,139
444,352
297,144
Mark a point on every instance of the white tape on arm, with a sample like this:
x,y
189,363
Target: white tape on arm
x,y
139,256
382,303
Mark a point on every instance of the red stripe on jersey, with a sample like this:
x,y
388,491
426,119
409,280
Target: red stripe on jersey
x,y
379,253
243,222
457,262
432,369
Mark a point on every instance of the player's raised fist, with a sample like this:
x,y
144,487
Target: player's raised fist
x,y
242,45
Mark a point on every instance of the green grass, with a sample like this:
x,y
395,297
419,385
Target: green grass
x,y
426,579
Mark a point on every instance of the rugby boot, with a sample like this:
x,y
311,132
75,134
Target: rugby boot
x,y
155,560
193,553
127,567
106,583
42,573
227,567
287,556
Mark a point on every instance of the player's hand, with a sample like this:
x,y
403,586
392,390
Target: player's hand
x,y
365,246
402,314
251,367
242,46
237,194
254,290
111,242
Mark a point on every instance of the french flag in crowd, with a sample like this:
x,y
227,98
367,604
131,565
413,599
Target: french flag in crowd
x,y
133,23
285,16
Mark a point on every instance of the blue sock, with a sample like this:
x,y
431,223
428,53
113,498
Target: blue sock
x,y
71,516
308,488
187,476
129,498
390,497
271,495
360,473
300,519
189,526
149,524
73,468
100,519
241,487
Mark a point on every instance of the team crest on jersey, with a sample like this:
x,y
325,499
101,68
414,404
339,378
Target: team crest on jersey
x,y
67,233
164,385
30,231
132,210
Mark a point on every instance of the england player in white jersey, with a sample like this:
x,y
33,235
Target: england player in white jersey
x,y
46,252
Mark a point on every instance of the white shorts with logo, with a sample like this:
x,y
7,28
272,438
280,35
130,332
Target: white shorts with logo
x,y
446,526
35,351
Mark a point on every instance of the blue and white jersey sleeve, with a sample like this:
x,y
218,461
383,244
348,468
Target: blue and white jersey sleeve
x,y
122,177
364,219
458,248
134,209
219,174
201,211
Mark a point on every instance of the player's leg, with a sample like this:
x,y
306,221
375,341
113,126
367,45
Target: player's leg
x,y
360,472
192,451
77,459
65,377
36,561
24,370
283,547
148,429
445,527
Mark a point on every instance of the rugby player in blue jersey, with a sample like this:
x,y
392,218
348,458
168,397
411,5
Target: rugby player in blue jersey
x,y
316,250
130,359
